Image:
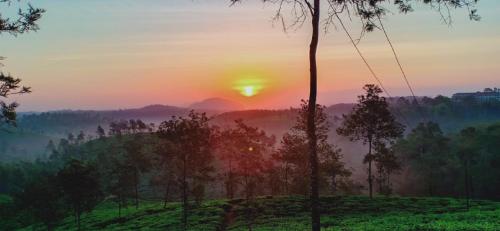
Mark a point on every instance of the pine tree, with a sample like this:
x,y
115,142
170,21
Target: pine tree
x,y
371,122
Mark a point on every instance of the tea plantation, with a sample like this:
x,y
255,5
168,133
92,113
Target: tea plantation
x,y
291,213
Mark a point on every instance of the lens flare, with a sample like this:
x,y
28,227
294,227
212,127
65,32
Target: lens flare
x,y
249,87
248,91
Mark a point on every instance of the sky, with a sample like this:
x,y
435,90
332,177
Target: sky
x,y
114,54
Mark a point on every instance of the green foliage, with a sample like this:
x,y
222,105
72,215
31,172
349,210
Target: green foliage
x,y
371,122
26,21
80,185
43,199
450,164
293,156
190,151
291,214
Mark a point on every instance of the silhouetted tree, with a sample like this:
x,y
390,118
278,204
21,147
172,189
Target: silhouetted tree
x,y
141,126
9,86
191,154
49,149
137,161
227,151
371,122
250,146
387,163
26,21
121,183
80,138
427,152
43,198
467,148
292,154
367,12
294,149
100,132
81,188
164,168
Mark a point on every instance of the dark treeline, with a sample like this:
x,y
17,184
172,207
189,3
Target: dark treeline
x,y
451,115
173,162
465,164
62,122
188,160
28,140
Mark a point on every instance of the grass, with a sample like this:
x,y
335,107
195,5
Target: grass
x,y
291,213
5,199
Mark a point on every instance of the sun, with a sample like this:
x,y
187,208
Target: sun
x,y
248,91
249,87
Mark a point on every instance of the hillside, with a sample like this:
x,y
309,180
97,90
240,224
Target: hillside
x,y
216,104
291,214
58,124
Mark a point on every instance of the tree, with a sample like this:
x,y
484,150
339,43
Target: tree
x,y
191,153
43,199
387,163
121,183
100,132
10,86
164,167
250,146
371,122
26,21
367,12
427,152
333,167
80,138
81,188
49,149
292,154
226,150
136,161
294,149
467,149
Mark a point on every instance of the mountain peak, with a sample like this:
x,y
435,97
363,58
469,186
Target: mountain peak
x,y
217,104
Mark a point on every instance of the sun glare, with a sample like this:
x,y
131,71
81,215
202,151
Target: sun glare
x,y
248,91
249,87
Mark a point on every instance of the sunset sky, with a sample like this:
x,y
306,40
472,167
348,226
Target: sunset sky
x,y
110,54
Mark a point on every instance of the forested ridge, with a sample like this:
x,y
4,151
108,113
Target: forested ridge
x,y
190,159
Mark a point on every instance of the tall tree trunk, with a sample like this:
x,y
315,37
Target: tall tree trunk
x,y
136,179
230,183
380,181
184,196
311,124
334,183
286,178
248,196
78,220
467,187
165,197
370,177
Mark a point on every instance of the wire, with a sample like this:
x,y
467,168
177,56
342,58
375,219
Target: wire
x,y
396,57
370,68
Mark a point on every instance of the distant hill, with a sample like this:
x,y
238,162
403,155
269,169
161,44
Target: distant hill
x,y
54,125
217,104
66,121
147,112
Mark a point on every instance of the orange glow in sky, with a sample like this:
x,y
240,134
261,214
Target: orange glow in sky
x,y
85,55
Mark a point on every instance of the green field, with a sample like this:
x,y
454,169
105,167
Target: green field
x,y
290,213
